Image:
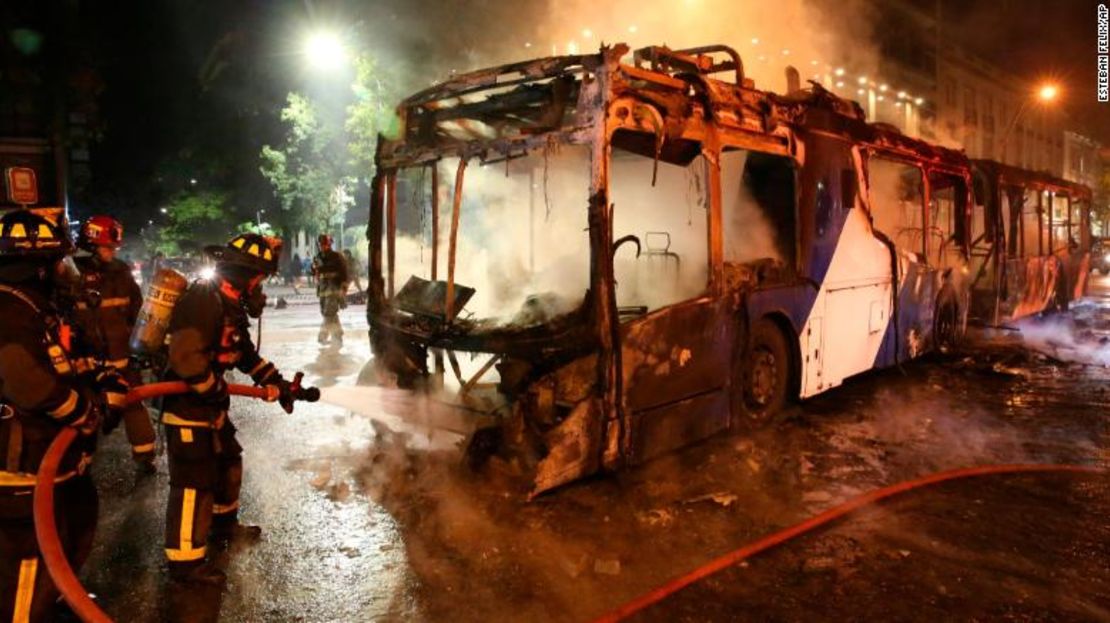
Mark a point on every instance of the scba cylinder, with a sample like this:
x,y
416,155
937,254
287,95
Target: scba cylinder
x,y
149,336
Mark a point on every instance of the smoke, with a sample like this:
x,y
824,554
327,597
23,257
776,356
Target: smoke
x,y
522,232
769,36
748,234
439,38
523,242
1070,340
522,239
671,223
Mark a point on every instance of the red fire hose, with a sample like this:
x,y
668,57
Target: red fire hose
x,y
74,593
659,594
46,531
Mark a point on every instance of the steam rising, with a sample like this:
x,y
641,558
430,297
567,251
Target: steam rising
x,y
816,36
1064,339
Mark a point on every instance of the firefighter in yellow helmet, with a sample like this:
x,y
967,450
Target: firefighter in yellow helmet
x,y
41,393
209,334
107,324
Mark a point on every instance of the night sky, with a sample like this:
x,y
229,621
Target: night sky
x,y
1039,39
193,88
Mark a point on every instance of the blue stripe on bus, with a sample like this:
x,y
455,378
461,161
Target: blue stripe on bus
x,y
793,302
915,302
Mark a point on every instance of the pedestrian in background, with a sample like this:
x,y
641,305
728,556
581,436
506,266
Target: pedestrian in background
x,y
354,269
306,268
296,269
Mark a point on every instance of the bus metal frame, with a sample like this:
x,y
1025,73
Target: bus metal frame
x,y
1012,282
588,392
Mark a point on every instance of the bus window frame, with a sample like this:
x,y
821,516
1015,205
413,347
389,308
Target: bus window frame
x,y
961,234
725,145
898,158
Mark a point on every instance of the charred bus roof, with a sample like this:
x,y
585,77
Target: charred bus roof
x,y
1007,175
496,113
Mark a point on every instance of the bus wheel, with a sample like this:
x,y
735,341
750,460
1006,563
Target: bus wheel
x,y
1063,293
947,327
766,374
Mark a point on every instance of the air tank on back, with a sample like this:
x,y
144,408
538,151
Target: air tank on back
x,y
149,336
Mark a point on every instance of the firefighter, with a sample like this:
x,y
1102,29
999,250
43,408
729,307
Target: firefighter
x,y
40,394
107,326
332,281
209,333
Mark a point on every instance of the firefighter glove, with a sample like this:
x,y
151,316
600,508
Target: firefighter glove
x,y
286,395
114,388
88,423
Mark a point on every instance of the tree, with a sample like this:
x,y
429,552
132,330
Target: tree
x,y
310,172
251,227
316,169
193,221
372,113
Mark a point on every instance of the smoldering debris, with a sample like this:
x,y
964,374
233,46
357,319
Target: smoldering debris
x,y
1071,339
475,535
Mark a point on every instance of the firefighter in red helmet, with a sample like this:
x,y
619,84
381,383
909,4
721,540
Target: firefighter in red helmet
x,y
107,326
209,333
41,393
332,281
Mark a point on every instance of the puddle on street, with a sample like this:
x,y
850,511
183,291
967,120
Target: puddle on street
x,y
370,513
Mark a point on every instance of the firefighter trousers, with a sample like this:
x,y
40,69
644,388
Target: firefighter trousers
x,y
26,591
137,423
206,474
330,303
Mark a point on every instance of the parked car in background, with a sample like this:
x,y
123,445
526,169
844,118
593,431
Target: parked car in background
x,y
190,266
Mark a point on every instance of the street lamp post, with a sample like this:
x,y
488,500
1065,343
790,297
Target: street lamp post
x,y
325,50
1045,94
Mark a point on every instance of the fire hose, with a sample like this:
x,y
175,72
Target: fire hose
x,y
46,531
720,563
74,593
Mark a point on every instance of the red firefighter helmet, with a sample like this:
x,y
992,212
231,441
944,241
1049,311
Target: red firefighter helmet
x,y
100,231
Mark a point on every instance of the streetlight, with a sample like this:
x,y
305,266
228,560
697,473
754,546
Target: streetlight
x,y
1045,94
324,50
258,217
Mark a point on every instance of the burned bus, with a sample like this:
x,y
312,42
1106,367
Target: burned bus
x,y
647,250
1031,242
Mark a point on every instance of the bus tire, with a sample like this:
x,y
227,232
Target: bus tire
x,y
1063,292
946,322
766,375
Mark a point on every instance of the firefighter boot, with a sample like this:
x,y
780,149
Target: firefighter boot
x,y
228,532
203,573
144,464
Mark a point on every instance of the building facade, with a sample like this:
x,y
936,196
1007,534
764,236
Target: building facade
x,y
931,86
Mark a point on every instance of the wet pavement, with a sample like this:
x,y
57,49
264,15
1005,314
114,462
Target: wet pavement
x,y
369,515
